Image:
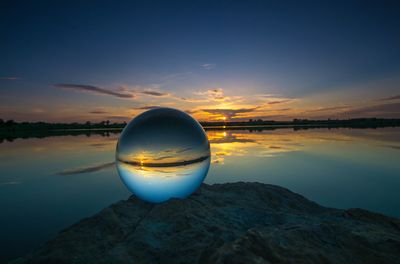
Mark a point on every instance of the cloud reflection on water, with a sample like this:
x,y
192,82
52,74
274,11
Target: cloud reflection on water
x,y
86,169
231,143
278,142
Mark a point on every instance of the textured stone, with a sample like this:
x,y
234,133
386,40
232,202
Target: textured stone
x,y
226,223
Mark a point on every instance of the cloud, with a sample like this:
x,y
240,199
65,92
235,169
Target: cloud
x,y
87,169
216,94
229,113
149,107
267,95
152,90
212,95
122,88
183,150
279,101
396,97
9,78
95,89
98,112
383,110
146,107
161,155
190,112
37,110
99,145
333,108
154,93
117,117
192,100
208,66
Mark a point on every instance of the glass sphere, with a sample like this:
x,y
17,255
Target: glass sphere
x,y
163,153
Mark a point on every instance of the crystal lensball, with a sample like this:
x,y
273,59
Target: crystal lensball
x,y
163,153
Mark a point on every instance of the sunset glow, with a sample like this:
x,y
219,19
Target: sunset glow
x,y
193,64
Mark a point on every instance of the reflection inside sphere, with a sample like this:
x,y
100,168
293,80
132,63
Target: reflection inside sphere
x,y
161,154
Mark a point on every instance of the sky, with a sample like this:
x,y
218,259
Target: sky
x,y
77,61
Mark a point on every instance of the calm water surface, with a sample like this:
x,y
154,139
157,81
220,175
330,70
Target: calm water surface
x,y
50,183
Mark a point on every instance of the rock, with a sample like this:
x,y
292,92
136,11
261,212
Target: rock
x,y
226,223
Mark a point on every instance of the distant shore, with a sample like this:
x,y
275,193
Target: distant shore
x,y
12,126
11,130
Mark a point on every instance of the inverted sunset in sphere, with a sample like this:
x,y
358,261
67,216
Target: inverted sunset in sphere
x,y
161,154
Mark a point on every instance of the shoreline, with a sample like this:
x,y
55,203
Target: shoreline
x,y
10,135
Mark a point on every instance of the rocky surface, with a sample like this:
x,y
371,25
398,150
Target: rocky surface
x,y
227,223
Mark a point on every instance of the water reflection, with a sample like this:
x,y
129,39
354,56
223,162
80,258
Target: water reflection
x,y
86,169
340,168
274,143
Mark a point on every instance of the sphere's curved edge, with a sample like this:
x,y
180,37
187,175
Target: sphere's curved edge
x,y
162,154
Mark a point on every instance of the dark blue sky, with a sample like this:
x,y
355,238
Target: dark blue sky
x,y
290,49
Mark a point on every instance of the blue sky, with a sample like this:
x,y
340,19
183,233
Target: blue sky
x,y
303,57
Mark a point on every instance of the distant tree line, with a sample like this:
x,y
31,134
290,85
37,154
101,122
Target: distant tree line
x,y
354,122
10,130
12,126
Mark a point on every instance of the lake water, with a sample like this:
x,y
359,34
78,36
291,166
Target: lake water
x,y
49,183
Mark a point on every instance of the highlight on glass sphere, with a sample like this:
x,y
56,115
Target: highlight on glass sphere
x,y
161,154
